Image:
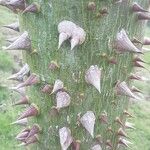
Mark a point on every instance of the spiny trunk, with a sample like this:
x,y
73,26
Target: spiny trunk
x,y
101,20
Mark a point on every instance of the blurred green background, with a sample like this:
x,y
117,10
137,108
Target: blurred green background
x,y
9,61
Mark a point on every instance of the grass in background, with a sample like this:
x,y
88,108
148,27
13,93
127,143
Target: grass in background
x,y
6,17
141,110
6,61
7,113
140,137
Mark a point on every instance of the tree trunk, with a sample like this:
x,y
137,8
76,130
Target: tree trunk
x,y
101,21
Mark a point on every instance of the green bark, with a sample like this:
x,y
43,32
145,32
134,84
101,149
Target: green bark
x,y
101,32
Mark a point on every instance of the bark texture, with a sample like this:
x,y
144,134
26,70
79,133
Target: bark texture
x,y
101,29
